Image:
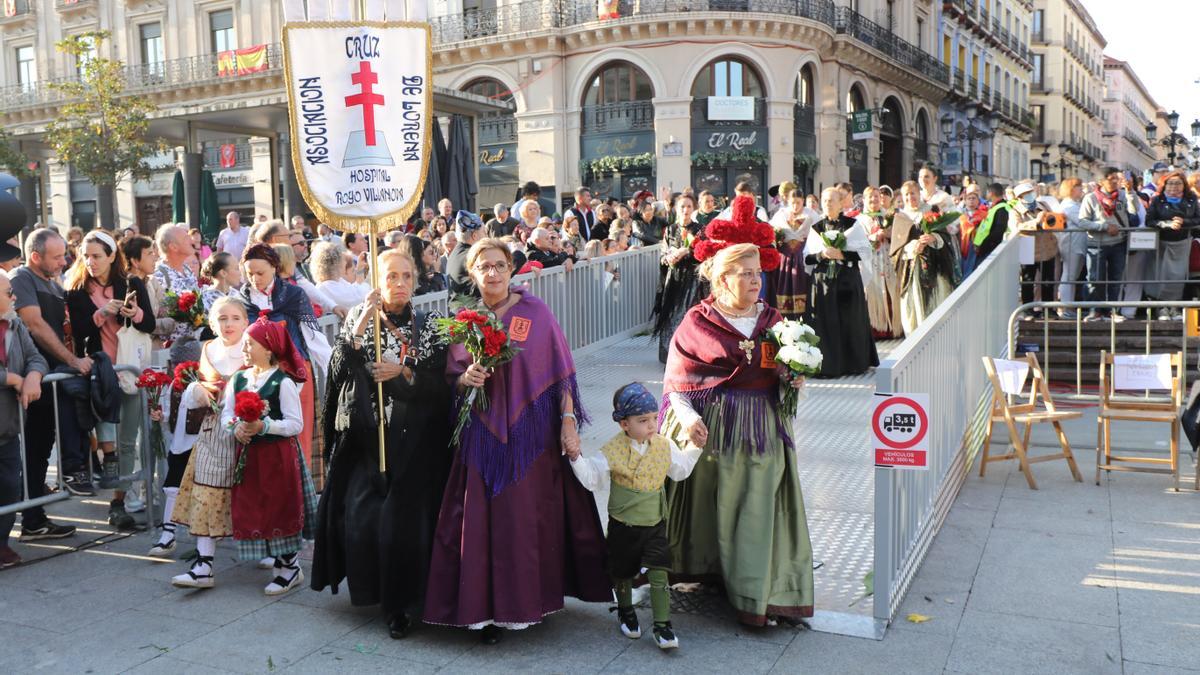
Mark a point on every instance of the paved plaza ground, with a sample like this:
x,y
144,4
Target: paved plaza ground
x,y
1072,578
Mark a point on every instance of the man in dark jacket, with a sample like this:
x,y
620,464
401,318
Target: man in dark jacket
x,y
582,210
468,229
503,224
545,247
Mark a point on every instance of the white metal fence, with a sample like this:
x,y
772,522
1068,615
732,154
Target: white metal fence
x,y
942,358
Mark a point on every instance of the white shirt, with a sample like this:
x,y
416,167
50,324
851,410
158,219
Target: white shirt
x,y
781,222
343,293
289,405
315,295
319,350
226,361
594,473
941,199
232,242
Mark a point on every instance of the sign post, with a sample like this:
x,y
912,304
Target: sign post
x,y
900,429
360,104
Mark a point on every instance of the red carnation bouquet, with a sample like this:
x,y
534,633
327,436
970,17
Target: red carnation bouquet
x,y
489,345
153,381
185,308
186,373
248,406
743,228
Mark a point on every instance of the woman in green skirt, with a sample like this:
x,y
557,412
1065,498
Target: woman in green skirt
x,y
739,519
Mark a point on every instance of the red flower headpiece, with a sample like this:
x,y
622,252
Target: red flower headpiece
x,y
743,228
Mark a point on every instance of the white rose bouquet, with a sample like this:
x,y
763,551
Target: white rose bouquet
x,y
796,350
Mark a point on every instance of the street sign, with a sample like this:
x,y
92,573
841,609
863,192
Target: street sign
x,y
900,429
861,128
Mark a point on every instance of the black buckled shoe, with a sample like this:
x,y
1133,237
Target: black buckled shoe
x,y
398,626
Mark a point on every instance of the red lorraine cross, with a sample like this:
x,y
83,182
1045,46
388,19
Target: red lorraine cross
x,y
368,99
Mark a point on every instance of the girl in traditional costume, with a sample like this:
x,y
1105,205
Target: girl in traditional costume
x,y
791,283
837,308
375,530
517,531
739,519
273,504
202,501
633,466
881,286
926,263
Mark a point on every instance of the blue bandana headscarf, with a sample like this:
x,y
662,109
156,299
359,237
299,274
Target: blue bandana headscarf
x,y
633,399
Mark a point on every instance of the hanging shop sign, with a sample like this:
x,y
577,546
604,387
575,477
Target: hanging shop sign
x,y
861,128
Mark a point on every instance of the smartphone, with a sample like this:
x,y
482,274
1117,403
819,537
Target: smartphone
x,y
131,299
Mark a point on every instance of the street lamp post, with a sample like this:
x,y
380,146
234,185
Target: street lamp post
x,y
971,133
1063,149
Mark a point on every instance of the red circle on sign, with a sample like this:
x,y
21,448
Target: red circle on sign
x,y
897,400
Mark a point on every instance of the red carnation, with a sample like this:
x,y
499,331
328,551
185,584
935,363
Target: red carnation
x,y
318,312
248,406
705,249
264,314
769,258
726,231
186,369
470,316
187,300
763,235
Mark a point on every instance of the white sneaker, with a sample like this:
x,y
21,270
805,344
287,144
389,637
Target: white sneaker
x,y
200,576
133,504
281,584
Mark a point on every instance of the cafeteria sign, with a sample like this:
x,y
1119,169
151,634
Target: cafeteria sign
x,y
861,128
360,99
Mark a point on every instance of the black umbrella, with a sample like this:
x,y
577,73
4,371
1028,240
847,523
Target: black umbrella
x,y
460,176
435,175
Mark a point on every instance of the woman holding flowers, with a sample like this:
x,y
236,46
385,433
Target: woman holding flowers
x,y
739,519
923,254
517,531
375,530
880,285
202,501
681,285
840,255
101,299
273,503
265,290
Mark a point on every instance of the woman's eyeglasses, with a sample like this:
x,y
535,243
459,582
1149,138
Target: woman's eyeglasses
x,y
485,270
745,275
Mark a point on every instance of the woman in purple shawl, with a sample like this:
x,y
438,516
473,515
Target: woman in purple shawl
x,y
517,531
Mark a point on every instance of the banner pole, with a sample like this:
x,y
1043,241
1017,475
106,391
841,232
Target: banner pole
x,y
378,347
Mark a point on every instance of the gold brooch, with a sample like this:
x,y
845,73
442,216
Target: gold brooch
x,y
748,347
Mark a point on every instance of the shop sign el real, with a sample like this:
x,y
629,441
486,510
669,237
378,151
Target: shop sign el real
x,y
723,140
618,145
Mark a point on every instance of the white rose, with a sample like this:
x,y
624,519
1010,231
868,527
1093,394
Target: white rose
x,y
795,332
789,354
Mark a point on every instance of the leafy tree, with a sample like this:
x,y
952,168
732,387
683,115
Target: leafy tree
x,y
12,160
101,130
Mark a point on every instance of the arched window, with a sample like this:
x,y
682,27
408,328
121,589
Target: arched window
x,y
488,87
921,149
617,82
728,77
855,100
805,88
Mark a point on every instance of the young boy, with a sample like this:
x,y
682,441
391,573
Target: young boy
x,y
637,462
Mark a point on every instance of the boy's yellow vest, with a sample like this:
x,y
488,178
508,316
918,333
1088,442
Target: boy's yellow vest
x,y
637,496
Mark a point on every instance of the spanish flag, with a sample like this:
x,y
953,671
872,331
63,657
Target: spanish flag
x,y
242,61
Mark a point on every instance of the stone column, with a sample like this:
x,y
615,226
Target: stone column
x,y
126,204
60,196
261,173
293,201
27,194
193,163
781,138
673,124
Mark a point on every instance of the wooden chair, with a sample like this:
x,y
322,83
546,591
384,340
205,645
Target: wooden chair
x,y
1162,409
1028,413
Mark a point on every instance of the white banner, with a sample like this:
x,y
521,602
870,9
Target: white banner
x,y
360,103
730,108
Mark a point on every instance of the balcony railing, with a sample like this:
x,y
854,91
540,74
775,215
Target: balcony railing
x,y
531,15
621,116
959,80
700,112
804,128
18,10
497,129
142,79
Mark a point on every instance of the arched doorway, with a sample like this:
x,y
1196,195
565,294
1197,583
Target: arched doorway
x,y
616,140
891,143
729,128
856,151
499,172
804,160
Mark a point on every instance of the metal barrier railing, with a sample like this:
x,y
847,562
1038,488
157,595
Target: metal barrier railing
x,y
1046,352
145,454
941,358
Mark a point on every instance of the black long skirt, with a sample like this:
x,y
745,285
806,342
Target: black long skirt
x,y
837,311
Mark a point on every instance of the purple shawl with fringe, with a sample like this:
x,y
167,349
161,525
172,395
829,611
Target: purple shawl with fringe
x,y
524,396
706,363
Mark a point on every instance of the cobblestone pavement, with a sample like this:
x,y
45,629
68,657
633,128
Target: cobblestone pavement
x,y
1072,578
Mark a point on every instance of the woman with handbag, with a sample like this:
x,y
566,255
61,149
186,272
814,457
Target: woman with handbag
x,y
106,306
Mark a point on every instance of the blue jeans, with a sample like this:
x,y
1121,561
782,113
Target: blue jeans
x,y
10,484
1105,263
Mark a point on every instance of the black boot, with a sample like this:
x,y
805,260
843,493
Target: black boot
x,y
398,625
491,634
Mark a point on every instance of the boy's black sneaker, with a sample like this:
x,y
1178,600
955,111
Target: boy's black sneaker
x,y
629,623
118,517
664,636
79,484
47,530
